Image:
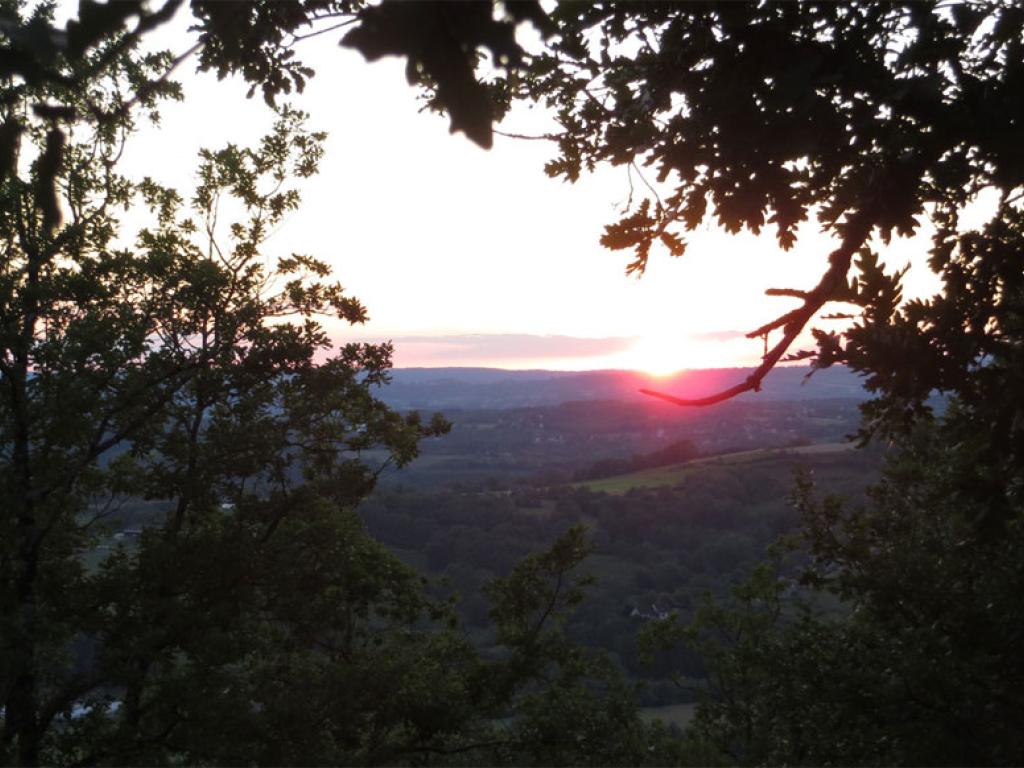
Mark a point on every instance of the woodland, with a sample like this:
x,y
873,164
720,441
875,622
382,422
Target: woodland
x,y
267,609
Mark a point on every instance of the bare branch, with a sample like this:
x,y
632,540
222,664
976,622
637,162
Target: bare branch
x,y
526,136
791,292
857,229
316,33
661,205
779,322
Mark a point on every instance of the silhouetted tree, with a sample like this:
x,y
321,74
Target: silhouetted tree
x,y
868,117
185,371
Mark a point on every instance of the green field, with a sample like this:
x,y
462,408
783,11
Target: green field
x,y
673,474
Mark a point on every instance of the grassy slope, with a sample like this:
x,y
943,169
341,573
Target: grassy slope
x,y
675,473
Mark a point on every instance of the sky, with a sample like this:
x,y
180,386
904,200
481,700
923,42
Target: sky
x,y
469,257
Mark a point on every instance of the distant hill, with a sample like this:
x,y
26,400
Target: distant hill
x,y
473,388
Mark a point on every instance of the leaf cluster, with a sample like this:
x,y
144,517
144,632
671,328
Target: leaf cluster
x,y
765,111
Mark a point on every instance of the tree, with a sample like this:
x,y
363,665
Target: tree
x,y
181,369
183,376
869,117
891,641
566,720
917,660
442,42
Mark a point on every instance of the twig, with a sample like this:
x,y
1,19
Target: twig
x,y
145,89
325,30
791,292
526,136
635,167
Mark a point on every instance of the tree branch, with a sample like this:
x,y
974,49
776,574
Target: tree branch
x,y
791,292
526,136
857,229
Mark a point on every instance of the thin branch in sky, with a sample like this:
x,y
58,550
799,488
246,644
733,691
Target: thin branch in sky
x,y
340,25
526,136
858,230
647,184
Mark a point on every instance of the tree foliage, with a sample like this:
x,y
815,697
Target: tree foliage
x,y
184,368
917,661
891,641
871,118
184,372
868,117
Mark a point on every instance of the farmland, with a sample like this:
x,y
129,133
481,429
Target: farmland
x,y
782,458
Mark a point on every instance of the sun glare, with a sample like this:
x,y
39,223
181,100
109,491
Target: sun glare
x,y
665,354
659,356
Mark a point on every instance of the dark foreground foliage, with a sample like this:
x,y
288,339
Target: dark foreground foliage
x,y
917,660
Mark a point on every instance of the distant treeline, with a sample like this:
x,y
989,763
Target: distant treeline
x,y
676,453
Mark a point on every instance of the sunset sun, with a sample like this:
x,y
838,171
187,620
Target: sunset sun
x,y
661,355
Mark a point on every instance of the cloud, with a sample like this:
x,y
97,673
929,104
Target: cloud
x,y
515,346
716,335
560,352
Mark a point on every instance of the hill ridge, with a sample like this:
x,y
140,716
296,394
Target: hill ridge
x,y
475,388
